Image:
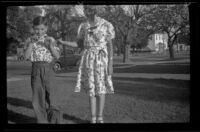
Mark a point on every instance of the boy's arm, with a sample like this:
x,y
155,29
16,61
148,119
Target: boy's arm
x,y
28,50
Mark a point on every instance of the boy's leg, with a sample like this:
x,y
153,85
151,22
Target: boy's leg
x,y
38,100
47,81
48,78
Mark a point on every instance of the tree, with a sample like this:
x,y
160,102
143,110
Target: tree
x,y
19,22
126,21
171,19
184,36
63,23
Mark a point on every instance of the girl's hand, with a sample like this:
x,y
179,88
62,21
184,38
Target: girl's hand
x,y
60,41
108,38
110,70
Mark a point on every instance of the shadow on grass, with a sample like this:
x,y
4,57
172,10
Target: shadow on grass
x,y
118,65
24,74
19,118
175,59
67,70
157,68
19,102
75,119
162,90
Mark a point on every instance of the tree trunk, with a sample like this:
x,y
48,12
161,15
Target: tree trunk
x,y
118,52
171,50
126,53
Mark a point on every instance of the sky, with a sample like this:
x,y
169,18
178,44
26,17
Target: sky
x,y
78,9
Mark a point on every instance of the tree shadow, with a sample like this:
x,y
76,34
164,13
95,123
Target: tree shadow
x,y
75,119
67,77
175,59
118,65
162,90
157,68
67,70
19,102
24,74
19,118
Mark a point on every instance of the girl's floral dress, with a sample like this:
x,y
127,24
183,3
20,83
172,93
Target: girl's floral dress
x,y
93,75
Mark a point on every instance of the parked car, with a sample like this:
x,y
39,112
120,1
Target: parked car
x,y
69,60
20,54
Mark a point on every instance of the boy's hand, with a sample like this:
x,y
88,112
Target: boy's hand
x,y
29,42
48,42
34,39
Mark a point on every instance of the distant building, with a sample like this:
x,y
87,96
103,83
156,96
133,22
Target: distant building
x,y
181,47
158,42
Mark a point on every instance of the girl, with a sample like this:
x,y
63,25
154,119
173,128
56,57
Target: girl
x,y
95,70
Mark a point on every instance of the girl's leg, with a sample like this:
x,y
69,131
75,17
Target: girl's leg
x,y
100,107
92,101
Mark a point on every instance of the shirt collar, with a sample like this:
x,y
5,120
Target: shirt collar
x,y
41,37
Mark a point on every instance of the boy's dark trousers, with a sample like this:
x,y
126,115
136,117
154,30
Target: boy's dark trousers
x,y
41,81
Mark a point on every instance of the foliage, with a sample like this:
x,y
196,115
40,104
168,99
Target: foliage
x,y
133,24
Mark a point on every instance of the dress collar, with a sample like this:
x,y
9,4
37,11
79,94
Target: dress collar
x,y
97,21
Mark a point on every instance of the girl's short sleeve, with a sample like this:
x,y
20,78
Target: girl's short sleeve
x,y
81,31
110,31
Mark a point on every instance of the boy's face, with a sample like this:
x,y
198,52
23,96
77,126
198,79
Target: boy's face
x,y
40,30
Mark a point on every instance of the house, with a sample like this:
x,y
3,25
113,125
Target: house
x,y
158,42
181,47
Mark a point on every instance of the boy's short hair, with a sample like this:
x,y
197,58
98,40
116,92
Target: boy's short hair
x,y
39,20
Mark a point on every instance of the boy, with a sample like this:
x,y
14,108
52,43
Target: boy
x,y
41,50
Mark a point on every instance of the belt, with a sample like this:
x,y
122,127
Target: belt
x,y
40,62
88,47
100,52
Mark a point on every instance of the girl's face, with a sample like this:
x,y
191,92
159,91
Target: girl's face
x,y
89,13
40,30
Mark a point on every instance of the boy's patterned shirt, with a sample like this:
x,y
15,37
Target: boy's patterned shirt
x,y
40,52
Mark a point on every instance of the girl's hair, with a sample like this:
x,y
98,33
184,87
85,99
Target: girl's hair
x,y
91,8
39,20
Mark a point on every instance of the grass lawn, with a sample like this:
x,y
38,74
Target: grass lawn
x,y
136,100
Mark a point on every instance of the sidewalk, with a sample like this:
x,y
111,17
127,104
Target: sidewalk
x,y
142,75
137,75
